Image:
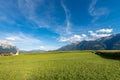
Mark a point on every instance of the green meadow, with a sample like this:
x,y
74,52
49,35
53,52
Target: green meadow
x,y
71,65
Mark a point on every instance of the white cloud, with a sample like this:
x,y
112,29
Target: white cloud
x,y
100,12
67,13
28,9
97,12
73,38
45,18
91,36
10,38
92,7
21,38
105,30
22,41
6,43
42,47
100,33
46,47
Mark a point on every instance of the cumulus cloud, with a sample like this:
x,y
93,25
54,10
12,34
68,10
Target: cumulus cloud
x,y
6,43
105,30
73,38
92,35
100,33
96,35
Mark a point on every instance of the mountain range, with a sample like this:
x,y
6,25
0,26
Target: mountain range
x,y
36,50
7,47
105,43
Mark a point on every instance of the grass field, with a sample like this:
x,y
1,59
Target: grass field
x,y
76,65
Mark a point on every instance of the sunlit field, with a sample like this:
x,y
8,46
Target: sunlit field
x,y
72,65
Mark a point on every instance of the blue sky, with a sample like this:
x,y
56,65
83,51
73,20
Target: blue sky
x,y
50,24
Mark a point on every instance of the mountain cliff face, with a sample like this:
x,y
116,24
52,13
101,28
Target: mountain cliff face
x,y
105,43
6,47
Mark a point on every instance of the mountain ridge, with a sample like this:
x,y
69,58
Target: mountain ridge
x,y
7,47
105,43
